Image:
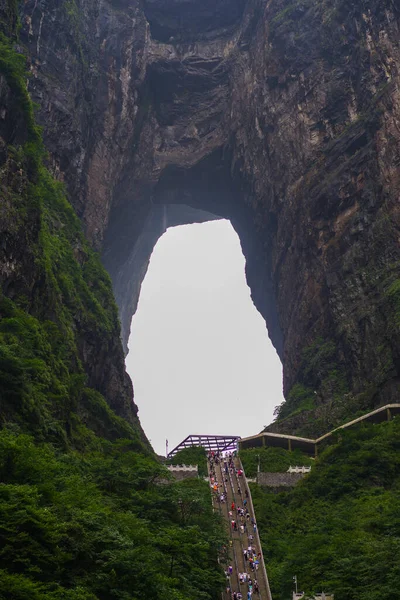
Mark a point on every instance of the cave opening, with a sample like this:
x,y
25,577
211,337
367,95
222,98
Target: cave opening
x,y
199,353
204,189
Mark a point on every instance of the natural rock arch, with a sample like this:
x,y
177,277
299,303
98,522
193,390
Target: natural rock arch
x,y
204,192
265,114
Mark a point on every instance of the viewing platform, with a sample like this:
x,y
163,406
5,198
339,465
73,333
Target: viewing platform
x,y
211,443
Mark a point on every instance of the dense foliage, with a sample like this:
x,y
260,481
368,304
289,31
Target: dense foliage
x,y
57,298
318,370
339,529
191,456
86,518
272,460
83,512
99,526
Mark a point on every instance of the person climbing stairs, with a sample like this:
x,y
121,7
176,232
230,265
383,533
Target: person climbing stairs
x,y
246,574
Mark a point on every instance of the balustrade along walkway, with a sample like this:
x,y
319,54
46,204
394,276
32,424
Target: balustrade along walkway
x,y
232,498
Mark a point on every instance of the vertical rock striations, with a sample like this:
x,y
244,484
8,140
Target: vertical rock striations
x,y
61,359
282,117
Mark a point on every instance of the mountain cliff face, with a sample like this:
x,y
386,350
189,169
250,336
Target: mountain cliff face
x,y
282,116
61,360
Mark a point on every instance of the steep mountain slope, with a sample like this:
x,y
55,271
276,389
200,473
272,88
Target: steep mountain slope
x,y
61,357
83,514
338,530
281,116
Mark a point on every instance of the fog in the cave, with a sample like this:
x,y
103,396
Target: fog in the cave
x,y
200,357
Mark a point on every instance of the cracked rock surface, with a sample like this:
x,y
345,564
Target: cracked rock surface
x,y
282,117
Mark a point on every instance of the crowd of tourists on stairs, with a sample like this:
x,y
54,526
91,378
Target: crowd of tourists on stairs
x,y
241,521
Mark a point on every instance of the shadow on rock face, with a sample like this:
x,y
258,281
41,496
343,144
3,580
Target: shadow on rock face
x,y
186,20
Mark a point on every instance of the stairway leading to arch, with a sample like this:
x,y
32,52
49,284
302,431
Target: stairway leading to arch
x,y
235,489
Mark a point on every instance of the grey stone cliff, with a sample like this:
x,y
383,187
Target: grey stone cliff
x,y
282,117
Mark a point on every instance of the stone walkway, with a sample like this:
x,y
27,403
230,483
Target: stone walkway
x,y
234,487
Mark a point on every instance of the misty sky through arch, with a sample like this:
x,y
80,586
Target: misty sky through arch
x,y
200,357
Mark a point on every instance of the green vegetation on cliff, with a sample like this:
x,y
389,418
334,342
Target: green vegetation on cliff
x,y
83,515
98,526
339,529
319,370
60,303
393,294
272,460
191,456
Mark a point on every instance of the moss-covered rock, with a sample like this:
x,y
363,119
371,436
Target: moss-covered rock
x,y
59,325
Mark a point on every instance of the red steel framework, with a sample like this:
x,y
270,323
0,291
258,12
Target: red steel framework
x,y
216,443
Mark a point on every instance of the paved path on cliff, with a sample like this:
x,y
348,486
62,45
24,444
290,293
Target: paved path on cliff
x,y
234,488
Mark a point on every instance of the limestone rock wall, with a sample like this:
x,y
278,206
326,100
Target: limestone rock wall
x,y
284,118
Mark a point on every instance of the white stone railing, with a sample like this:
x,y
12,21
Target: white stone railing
x,y
298,469
192,468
